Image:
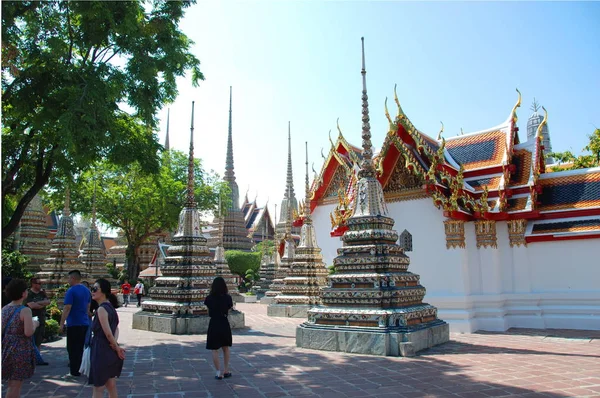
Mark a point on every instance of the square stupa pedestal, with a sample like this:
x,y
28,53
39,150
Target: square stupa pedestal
x,y
288,311
161,323
383,343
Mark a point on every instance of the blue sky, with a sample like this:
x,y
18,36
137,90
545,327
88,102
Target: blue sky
x,y
458,63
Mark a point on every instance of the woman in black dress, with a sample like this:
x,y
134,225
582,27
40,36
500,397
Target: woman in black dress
x,y
219,332
106,356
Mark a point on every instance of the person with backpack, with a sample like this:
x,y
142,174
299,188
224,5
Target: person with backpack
x,y
18,327
138,290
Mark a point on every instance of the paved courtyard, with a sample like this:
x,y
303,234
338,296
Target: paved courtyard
x,y
266,363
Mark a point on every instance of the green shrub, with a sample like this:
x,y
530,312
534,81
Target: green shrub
x,y
240,262
51,328
53,312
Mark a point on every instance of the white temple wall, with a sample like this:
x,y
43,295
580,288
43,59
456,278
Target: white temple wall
x,y
544,285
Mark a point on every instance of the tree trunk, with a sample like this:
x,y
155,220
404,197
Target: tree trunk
x,y
133,262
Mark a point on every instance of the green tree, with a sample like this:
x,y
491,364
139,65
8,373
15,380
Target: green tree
x,y
14,264
142,204
240,262
590,159
267,246
68,69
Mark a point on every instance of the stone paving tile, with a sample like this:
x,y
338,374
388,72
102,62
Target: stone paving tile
x,y
265,363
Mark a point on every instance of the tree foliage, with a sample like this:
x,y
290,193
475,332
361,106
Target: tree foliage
x,y
14,264
589,159
266,246
139,203
240,262
68,70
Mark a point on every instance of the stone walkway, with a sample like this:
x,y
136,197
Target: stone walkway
x,y
266,363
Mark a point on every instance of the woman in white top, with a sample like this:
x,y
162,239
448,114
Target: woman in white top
x,y
138,290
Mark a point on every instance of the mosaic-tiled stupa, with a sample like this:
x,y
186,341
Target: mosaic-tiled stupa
x,y
266,272
373,305
282,270
233,226
289,204
176,303
92,250
307,274
33,235
224,271
64,253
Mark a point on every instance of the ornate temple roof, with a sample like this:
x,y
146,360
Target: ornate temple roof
x,y
487,174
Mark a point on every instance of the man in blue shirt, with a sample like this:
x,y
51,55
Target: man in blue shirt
x,y
75,313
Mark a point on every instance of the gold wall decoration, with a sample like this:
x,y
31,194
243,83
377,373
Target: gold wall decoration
x,y
455,234
339,181
485,233
516,232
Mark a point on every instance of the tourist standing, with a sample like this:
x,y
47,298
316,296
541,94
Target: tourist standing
x,y
18,358
219,332
106,357
37,300
138,290
75,313
126,291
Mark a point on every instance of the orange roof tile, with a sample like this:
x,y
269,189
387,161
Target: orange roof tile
x,y
478,150
522,160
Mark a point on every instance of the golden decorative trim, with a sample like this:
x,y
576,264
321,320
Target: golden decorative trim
x,y
408,194
516,232
485,233
455,234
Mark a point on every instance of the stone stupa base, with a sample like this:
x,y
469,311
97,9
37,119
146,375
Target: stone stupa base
x,y
372,341
288,310
162,323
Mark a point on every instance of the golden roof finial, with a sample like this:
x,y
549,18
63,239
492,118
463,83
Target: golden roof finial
x,y
323,156
387,114
331,141
400,111
514,109
439,137
337,123
542,124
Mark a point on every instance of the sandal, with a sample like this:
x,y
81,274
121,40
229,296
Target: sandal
x,y
218,376
227,374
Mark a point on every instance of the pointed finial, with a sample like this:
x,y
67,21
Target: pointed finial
x,y
337,123
400,111
167,146
229,169
191,202
367,169
94,206
67,208
514,109
439,137
289,189
461,131
535,106
387,113
306,187
331,141
542,124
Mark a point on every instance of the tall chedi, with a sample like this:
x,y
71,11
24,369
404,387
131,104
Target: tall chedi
x,y
307,274
234,232
283,266
64,252
373,305
223,268
289,204
533,123
33,235
176,303
92,254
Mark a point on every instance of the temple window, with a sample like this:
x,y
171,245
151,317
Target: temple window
x,y
405,241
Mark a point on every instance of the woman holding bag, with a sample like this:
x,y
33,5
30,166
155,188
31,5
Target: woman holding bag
x,y
106,357
18,356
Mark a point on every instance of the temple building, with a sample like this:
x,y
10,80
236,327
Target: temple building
x,y
33,240
372,305
488,228
258,221
64,253
176,303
